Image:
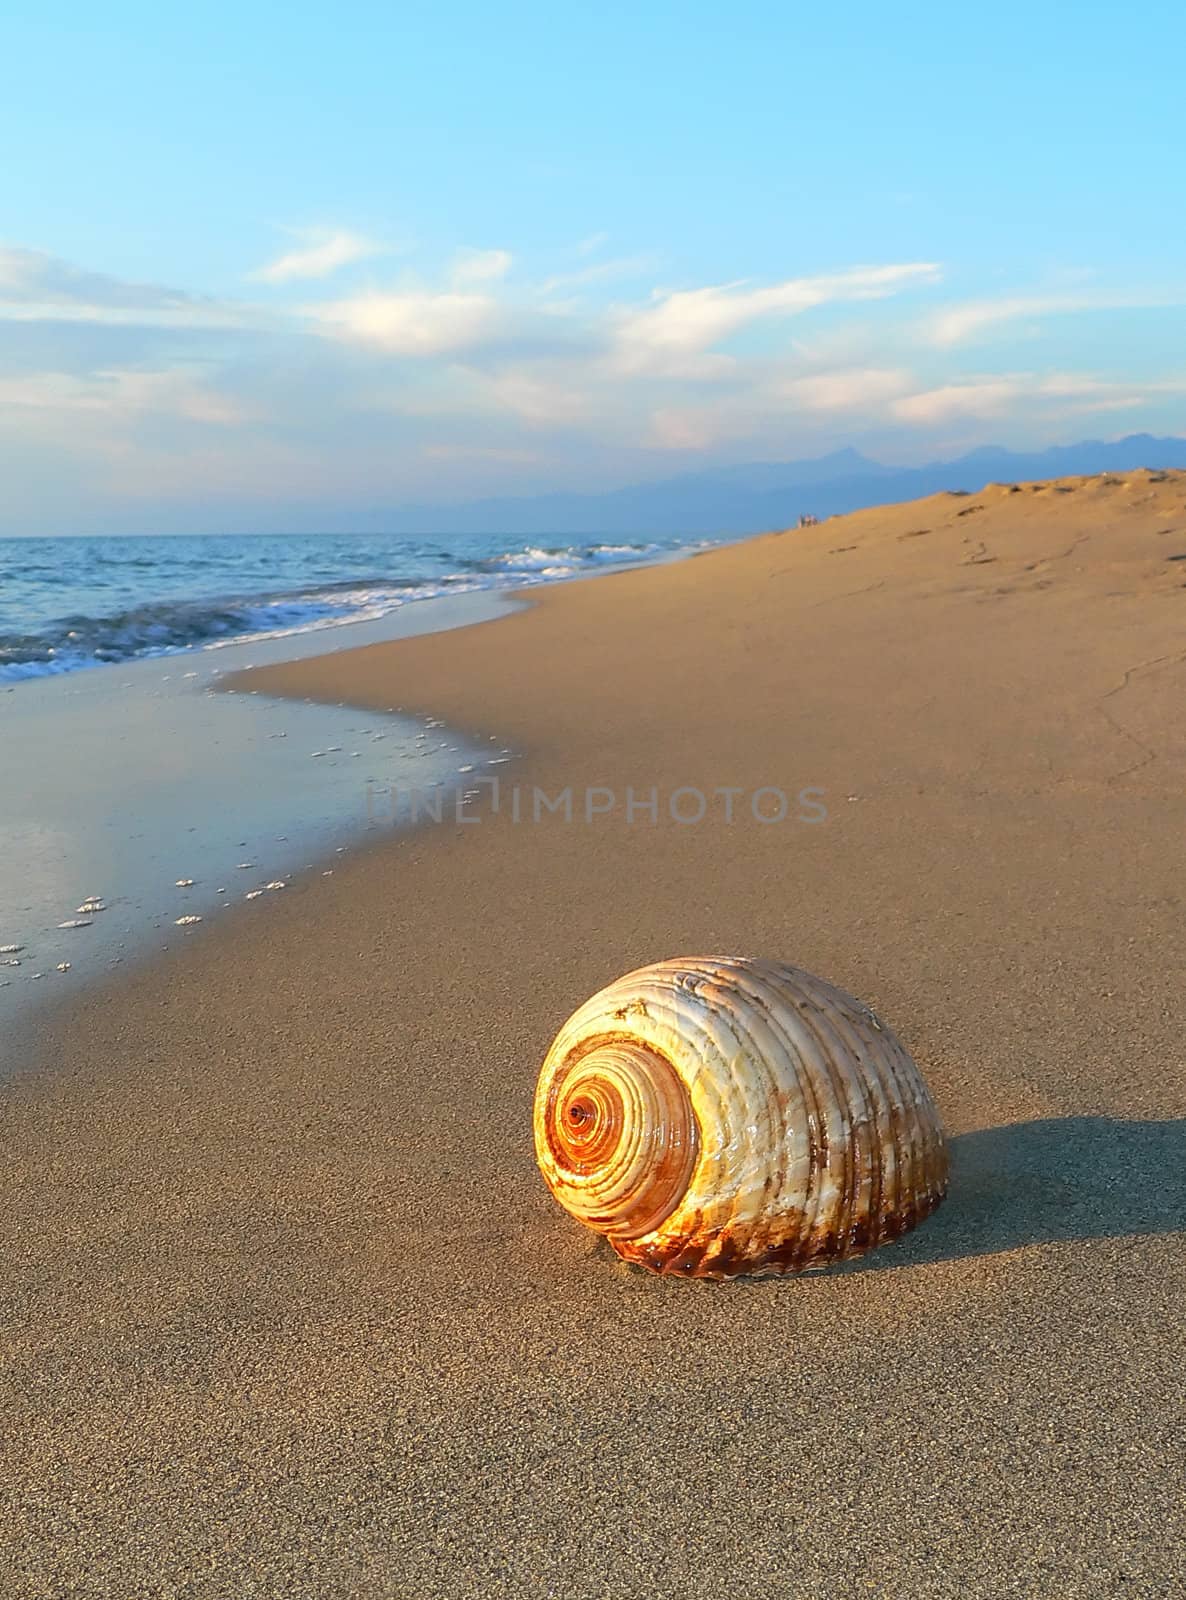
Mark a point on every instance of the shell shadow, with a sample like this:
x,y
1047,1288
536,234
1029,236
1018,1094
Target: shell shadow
x,y
1060,1178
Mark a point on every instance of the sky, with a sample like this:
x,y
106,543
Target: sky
x,y
267,264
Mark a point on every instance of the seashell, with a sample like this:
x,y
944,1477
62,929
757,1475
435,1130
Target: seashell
x,y
10,949
713,1117
184,883
74,923
187,922
63,966
277,883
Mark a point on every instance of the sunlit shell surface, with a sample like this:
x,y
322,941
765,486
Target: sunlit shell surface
x,y
714,1117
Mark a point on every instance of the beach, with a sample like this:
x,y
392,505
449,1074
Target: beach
x,y
288,1309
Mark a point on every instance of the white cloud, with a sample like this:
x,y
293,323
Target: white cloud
x,y
194,315
958,324
863,389
326,251
36,287
675,428
692,320
550,396
617,268
986,397
122,393
481,266
412,324
1009,394
773,399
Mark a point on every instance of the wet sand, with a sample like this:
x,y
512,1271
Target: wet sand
x,y
288,1310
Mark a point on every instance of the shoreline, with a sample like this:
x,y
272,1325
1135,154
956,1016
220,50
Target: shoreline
x,y
311,614
145,794
277,1246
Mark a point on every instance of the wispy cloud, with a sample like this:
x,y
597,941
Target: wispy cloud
x,y
173,392
325,252
481,266
690,320
36,287
1010,394
986,397
857,389
550,395
774,398
409,324
964,322
617,268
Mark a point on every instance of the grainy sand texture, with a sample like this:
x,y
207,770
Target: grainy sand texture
x,y
287,1310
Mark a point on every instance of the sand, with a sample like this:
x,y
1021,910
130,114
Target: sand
x,y
288,1311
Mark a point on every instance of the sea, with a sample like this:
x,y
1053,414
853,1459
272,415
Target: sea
x,y
72,603
143,801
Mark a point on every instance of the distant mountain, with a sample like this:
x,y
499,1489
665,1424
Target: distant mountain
x,y
751,498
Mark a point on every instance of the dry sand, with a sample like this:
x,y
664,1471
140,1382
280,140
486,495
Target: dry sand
x,y
288,1311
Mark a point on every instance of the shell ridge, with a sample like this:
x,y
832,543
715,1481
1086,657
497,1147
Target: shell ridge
x,y
762,1136
909,1141
787,1035
878,1152
934,1162
783,1016
742,1135
851,1098
852,1114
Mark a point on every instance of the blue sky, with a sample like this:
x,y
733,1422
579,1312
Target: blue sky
x,y
281,259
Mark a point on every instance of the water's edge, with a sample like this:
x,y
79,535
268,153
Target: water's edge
x,y
125,786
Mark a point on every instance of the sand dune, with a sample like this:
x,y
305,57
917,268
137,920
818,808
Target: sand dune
x,y
288,1310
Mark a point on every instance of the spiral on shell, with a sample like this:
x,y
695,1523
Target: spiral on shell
x,y
713,1117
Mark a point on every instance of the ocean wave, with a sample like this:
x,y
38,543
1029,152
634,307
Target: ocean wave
x,y
171,627
570,557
